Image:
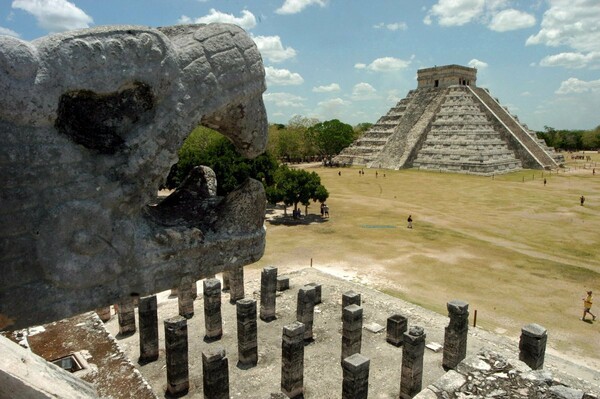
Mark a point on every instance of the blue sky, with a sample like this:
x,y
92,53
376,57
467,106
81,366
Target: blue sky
x,y
354,59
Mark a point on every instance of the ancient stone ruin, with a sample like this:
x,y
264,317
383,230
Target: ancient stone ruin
x,y
449,124
90,124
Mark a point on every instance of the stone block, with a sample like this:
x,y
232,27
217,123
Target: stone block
x,y
396,327
283,283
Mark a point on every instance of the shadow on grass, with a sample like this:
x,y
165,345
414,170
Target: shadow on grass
x,y
286,220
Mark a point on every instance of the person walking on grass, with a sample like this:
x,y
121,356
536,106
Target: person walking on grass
x,y
409,220
587,306
582,200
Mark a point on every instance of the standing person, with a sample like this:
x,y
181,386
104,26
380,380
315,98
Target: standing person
x,y
326,210
587,305
544,181
409,220
582,200
322,209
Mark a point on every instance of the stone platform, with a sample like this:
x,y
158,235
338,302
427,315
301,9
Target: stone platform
x,y
322,369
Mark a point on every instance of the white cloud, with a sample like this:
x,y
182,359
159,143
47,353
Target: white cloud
x,y
572,60
393,96
282,99
327,89
282,77
55,15
246,21
573,23
393,27
385,64
475,63
363,91
334,102
511,19
272,49
455,12
295,6
526,94
574,85
8,32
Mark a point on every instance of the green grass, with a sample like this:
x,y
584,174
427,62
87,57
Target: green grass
x,y
519,252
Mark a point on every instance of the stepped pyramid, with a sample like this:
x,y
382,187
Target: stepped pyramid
x,y
450,124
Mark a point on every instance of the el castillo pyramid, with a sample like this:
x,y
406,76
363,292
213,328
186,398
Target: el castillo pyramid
x,y
450,124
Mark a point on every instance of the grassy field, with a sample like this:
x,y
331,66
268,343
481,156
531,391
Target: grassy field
x,y
518,251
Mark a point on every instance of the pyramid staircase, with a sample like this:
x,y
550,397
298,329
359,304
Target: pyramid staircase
x,y
450,127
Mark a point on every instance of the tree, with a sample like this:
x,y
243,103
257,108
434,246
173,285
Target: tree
x,y
207,147
294,186
331,137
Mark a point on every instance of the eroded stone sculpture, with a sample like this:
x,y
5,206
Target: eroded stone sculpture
x,y
90,123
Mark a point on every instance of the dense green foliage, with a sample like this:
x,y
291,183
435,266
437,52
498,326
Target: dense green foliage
x,y
294,186
331,137
571,140
305,139
207,147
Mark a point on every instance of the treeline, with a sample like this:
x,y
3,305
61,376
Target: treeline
x,y
303,139
571,140
306,139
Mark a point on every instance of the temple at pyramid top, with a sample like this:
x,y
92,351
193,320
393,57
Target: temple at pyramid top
x,y
449,124
445,76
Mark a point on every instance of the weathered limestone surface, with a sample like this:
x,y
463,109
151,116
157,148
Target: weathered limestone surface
x,y
396,327
236,284
292,360
26,375
148,320
532,345
176,353
215,374
268,291
412,362
104,313
305,310
247,332
90,124
186,294
126,315
352,322
455,337
355,383
213,321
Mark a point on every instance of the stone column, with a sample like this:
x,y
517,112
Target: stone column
x,y
355,383
225,276
268,288
236,281
213,322
247,332
305,310
455,338
412,362
351,330
126,314
148,319
104,313
349,298
395,329
215,373
186,293
317,292
532,345
292,360
176,353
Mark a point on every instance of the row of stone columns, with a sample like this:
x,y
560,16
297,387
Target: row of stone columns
x,y
355,366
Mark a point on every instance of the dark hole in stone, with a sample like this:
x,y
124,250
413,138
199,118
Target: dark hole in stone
x,y
99,121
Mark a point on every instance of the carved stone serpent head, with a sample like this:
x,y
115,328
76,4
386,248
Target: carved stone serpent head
x,y
90,123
